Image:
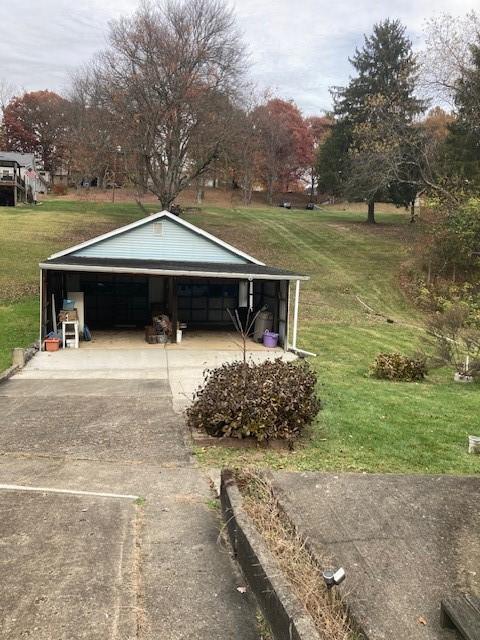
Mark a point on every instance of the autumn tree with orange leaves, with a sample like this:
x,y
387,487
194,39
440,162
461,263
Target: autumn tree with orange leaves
x,y
285,145
37,122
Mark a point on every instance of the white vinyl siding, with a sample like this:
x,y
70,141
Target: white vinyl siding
x,y
175,242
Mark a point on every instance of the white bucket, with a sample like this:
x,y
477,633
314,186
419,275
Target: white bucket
x,y
460,377
473,444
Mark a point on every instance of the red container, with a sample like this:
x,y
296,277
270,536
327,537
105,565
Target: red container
x,y
51,344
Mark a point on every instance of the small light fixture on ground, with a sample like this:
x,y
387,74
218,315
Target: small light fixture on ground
x,y
333,578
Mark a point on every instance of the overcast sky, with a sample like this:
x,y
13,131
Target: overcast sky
x,y
299,48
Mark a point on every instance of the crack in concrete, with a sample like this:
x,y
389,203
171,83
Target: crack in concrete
x,y
138,586
40,456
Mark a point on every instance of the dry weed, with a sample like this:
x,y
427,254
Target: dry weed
x,y
326,608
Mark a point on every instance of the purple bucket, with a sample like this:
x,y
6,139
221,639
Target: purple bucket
x,y
270,339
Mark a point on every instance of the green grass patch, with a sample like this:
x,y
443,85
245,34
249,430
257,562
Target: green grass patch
x,y
30,234
366,424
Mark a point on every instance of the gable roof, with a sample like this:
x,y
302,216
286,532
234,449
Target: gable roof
x,y
149,219
23,159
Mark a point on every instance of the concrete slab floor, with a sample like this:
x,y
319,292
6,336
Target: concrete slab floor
x,y
195,340
110,437
405,543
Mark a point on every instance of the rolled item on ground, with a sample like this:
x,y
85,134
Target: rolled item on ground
x,y
474,444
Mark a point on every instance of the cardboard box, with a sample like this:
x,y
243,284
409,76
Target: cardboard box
x,y
64,315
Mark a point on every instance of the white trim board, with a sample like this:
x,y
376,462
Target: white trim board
x,y
56,266
148,219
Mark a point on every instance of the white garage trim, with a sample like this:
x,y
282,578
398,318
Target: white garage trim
x,y
168,272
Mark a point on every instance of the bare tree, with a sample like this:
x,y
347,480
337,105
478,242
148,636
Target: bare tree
x,y
397,161
93,138
242,152
7,91
168,80
447,55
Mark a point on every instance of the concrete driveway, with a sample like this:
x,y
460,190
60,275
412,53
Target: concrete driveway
x,y
182,368
107,529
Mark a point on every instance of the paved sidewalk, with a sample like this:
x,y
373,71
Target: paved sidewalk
x,y
405,542
81,558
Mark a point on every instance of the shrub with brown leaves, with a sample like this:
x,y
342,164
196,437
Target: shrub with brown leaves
x,y
274,399
395,366
60,189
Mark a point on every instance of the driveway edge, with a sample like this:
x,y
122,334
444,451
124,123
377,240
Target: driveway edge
x,y
281,608
20,357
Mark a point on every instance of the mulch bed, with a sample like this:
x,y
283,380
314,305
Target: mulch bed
x,y
202,439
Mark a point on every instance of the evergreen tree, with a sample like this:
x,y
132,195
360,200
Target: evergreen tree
x,y
463,142
333,161
377,106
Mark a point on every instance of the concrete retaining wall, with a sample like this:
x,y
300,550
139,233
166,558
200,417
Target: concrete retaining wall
x,y
20,357
281,608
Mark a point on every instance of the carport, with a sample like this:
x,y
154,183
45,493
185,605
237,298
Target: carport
x,y
163,264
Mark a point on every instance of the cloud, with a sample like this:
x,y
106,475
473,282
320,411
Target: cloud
x,y
298,48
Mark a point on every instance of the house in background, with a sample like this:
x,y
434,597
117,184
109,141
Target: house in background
x,y
12,185
20,180
163,263
61,176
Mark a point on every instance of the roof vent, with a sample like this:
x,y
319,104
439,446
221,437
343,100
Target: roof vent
x,y
158,228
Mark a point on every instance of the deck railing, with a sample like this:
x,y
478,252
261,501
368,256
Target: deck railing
x,y
11,181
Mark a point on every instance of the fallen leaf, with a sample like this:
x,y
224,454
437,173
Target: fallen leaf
x,y
421,620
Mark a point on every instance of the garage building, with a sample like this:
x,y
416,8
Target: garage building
x,y
163,263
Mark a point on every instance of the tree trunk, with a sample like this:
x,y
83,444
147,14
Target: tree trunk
x,y
200,190
270,191
166,201
247,194
412,211
371,212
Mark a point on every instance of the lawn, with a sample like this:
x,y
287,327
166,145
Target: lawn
x,y
365,425
29,235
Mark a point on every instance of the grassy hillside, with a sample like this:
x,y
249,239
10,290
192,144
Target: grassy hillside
x,y
29,235
365,424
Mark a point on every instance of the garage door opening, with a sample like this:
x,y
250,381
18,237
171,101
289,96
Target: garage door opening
x,y
120,309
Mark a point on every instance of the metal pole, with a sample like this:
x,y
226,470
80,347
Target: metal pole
x,y
114,176
41,310
295,314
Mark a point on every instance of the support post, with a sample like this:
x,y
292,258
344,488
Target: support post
x,y
173,306
287,319
295,314
250,295
41,311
